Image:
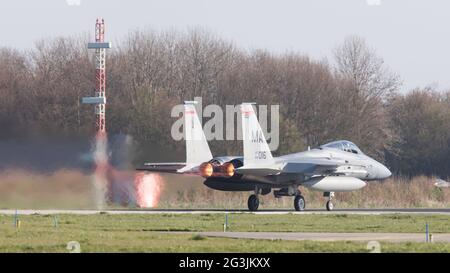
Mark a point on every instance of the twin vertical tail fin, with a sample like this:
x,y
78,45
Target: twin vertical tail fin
x,y
197,149
256,149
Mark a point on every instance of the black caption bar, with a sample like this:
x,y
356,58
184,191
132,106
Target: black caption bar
x,y
224,262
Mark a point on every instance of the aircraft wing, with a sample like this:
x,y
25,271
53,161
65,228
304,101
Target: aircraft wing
x,y
321,166
313,166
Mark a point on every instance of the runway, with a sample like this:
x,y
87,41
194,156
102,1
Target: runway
x,y
445,211
327,237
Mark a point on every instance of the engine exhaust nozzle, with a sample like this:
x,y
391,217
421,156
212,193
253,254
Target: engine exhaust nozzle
x,y
206,169
227,169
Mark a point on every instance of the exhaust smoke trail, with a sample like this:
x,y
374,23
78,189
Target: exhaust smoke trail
x,y
115,183
100,178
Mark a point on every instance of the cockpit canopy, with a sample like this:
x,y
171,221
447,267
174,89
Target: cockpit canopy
x,y
343,145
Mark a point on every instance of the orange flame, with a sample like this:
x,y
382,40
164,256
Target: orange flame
x,y
206,169
148,189
227,169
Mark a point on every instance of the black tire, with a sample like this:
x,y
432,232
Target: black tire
x,y
299,203
253,202
330,206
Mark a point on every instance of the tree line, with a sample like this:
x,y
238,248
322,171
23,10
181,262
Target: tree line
x,y
352,96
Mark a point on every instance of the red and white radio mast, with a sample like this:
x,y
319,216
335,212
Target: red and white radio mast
x,y
110,184
99,100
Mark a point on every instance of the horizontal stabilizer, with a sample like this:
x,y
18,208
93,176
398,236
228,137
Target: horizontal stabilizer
x,y
177,168
162,167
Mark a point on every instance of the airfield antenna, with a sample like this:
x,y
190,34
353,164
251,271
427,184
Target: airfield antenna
x,y
99,102
100,74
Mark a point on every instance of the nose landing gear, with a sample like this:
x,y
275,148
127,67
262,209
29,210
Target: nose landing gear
x,y
329,196
253,200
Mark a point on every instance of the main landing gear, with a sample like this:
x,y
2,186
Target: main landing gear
x,y
253,202
299,200
299,203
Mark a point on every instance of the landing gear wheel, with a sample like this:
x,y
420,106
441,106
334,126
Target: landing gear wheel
x,y
299,203
253,202
330,205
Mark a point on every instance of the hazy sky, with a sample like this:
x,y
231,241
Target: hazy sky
x,y
412,36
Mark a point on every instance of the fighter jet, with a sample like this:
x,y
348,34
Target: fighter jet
x,y
338,166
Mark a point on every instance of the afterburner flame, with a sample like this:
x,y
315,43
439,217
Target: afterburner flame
x,y
227,169
148,189
206,169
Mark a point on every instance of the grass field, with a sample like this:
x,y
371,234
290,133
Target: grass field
x,y
144,233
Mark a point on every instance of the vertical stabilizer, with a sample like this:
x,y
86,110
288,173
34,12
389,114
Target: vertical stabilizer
x,y
197,149
256,149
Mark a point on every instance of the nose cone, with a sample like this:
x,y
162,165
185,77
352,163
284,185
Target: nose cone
x,y
384,172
